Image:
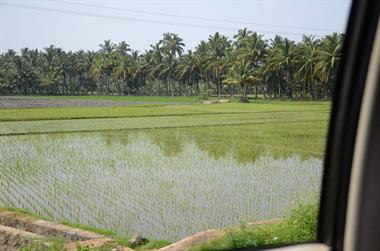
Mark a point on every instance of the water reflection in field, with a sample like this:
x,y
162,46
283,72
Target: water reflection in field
x,y
164,184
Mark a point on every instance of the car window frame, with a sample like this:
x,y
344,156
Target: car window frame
x,y
345,114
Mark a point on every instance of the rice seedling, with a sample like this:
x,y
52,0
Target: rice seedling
x,y
49,113
104,124
133,186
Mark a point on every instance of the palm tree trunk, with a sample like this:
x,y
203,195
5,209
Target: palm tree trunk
x,y
243,98
167,87
219,85
206,85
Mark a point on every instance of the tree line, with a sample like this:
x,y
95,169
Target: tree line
x,y
247,65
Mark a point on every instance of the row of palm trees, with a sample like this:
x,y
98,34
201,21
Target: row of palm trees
x,y
247,65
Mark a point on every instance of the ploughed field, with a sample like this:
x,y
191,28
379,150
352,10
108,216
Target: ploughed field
x,y
70,101
166,169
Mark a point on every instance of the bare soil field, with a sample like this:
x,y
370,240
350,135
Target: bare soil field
x,y
33,102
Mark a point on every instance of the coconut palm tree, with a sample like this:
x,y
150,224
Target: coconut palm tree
x,y
137,72
307,58
271,70
281,67
251,49
121,71
328,61
120,67
27,76
217,62
154,65
201,54
123,48
242,74
188,70
8,73
241,36
108,47
96,72
172,45
49,80
283,59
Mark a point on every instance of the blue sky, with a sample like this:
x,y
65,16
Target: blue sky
x,y
74,25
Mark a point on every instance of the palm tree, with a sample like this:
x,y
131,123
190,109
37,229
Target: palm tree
x,y
251,49
270,70
108,47
188,71
96,72
328,60
219,46
282,59
241,36
65,68
242,74
155,64
279,67
122,71
137,72
201,54
49,80
172,45
307,61
8,72
123,48
82,63
27,76
107,58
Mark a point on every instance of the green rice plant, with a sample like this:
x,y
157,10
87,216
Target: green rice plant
x,y
132,186
105,124
272,107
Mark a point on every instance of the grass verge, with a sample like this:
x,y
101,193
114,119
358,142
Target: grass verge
x,y
300,227
55,244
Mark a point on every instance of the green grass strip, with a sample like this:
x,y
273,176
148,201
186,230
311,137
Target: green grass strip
x,y
24,114
83,125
